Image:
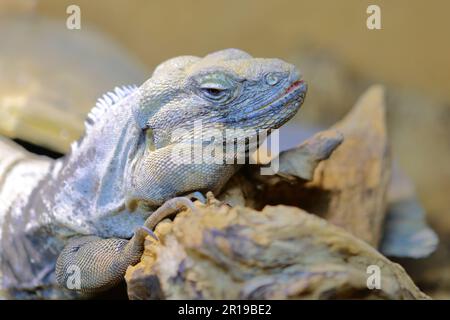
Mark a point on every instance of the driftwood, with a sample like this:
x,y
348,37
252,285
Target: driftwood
x,y
419,136
281,252
349,189
296,167
247,246
355,188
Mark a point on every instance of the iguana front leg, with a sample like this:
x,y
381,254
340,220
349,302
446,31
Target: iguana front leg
x,y
92,264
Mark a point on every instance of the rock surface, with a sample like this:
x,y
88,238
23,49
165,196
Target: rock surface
x,y
350,187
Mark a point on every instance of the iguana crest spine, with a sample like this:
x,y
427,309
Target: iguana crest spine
x,y
102,106
106,101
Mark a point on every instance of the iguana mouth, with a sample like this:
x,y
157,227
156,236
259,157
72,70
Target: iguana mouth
x,y
297,89
294,94
294,85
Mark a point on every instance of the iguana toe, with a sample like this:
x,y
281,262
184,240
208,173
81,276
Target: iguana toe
x,y
169,208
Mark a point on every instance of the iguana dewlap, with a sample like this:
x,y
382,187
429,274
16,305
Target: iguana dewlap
x,y
82,210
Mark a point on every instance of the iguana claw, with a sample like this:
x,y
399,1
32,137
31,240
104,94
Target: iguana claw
x,y
149,232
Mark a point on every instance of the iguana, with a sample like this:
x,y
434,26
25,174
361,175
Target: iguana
x,y
93,208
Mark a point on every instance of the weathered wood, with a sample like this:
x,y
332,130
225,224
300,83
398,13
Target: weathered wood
x,y
296,167
280,252
350,187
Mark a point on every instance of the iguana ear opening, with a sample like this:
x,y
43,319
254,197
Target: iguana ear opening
x,y
150,140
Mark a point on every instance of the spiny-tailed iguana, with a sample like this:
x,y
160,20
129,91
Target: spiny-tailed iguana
x,y
93,208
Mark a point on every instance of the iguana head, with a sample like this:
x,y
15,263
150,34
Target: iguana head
x,y
228,87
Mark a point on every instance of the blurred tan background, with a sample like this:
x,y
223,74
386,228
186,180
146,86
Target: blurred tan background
x,y
412,49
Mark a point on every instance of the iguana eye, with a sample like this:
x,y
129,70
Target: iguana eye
x,y
214,92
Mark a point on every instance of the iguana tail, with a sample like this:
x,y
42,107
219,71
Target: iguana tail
x,y
20,171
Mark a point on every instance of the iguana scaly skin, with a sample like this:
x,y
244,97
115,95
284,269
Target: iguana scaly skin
x,y
93,208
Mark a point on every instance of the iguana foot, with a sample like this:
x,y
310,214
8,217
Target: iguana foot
x,y
169,208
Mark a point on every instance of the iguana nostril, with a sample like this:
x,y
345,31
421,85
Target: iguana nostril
x,y
272,79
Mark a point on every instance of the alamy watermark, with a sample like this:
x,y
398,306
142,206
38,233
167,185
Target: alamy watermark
x,y
373,21
212,145
374,278
73,21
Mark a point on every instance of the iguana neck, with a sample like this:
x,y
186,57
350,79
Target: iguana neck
x,y
88,183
